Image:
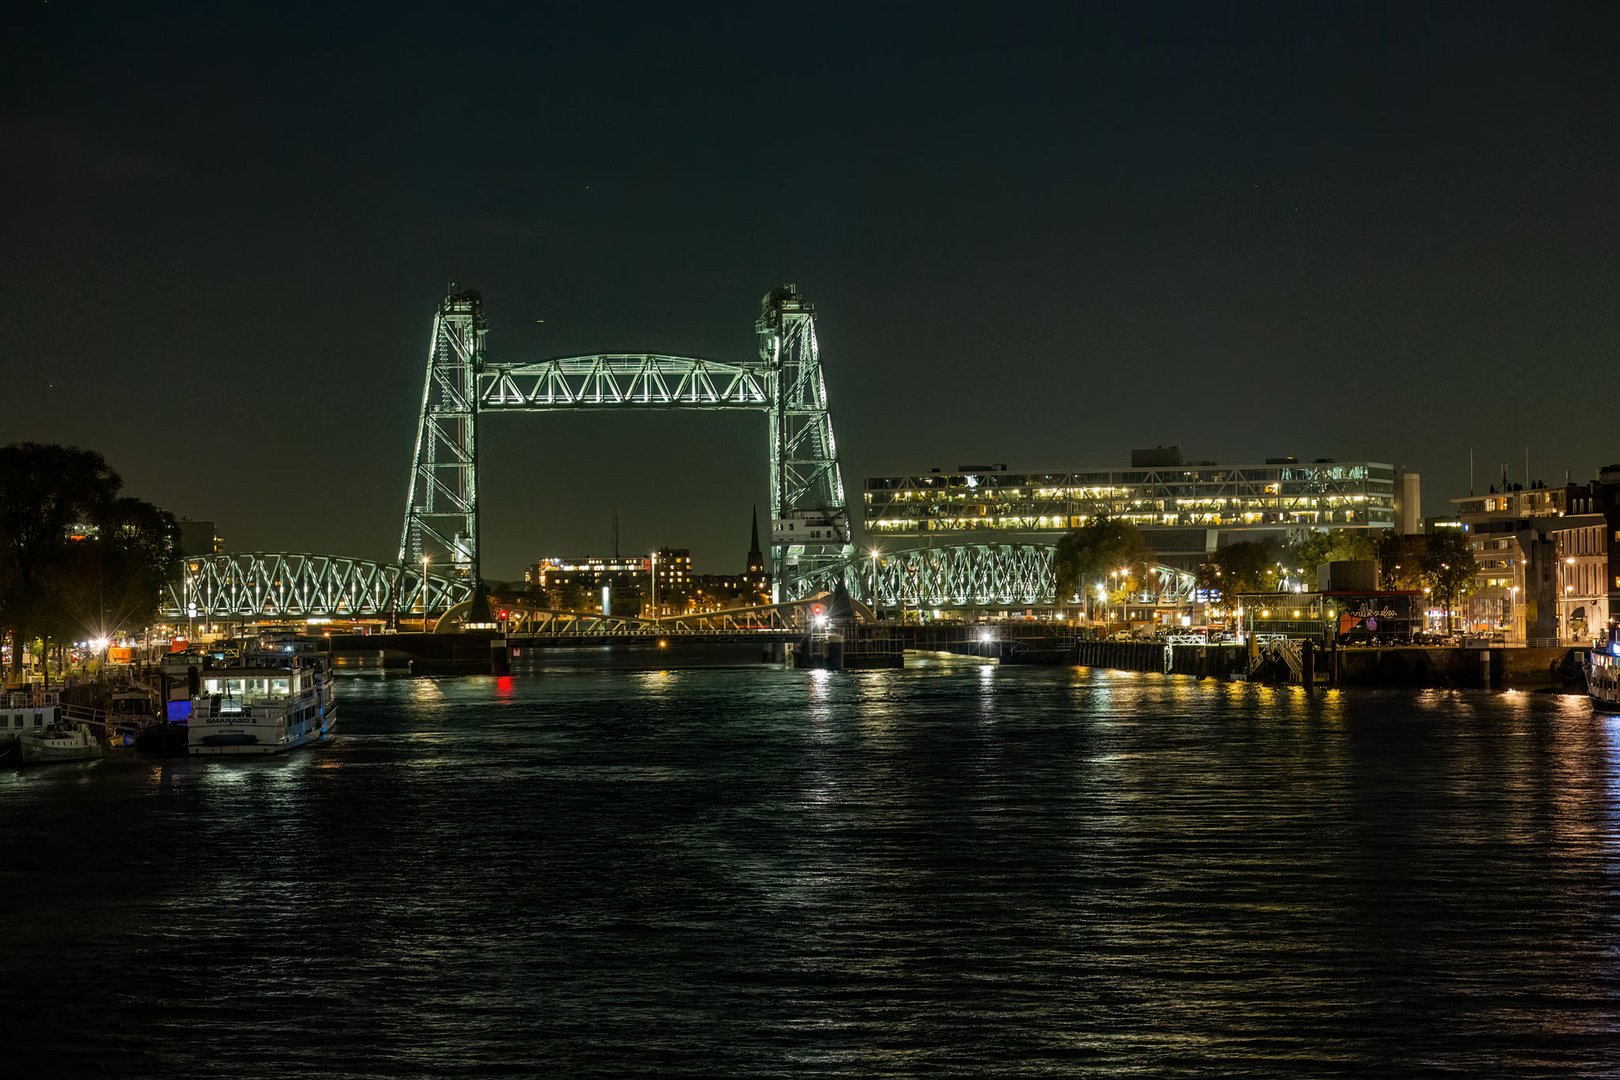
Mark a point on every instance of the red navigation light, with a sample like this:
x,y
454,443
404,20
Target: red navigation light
x,y
506,614
817,609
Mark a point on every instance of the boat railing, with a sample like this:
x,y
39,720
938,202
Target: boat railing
x,y
80,714
33,698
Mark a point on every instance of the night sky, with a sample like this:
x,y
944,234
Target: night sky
x,y
1353,231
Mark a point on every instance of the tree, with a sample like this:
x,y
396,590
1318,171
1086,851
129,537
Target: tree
x,y
1402,559
1439,563
76,561
45,492
1310,551
1450,568
117,573
1093,551
1248,566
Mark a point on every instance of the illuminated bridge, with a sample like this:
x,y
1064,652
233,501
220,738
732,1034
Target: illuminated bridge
x,y
277,585
438,564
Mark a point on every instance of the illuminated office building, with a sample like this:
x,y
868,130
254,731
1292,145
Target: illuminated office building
x,y
1184,509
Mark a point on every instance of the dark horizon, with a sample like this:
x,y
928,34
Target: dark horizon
x,y
1366,233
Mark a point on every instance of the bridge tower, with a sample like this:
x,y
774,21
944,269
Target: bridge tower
x,y
810,528
441,506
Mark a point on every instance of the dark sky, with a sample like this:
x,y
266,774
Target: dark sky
x,y
1348,231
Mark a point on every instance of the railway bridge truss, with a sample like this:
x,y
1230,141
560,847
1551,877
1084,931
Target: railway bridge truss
x,y
279,586
767,620
982,576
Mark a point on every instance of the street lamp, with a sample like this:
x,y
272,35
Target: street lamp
x,y
874,584
191,598
424,593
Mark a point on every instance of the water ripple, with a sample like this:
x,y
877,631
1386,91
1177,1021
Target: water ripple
x,y
960,871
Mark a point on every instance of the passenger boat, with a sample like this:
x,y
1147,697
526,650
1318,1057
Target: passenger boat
x,y
265,703
1602,670
65,740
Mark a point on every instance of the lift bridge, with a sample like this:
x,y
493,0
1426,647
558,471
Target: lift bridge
x,y
438,567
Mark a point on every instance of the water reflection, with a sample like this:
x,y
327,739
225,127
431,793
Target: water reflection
x,y
966,870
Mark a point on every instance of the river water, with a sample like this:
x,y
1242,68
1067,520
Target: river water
x,y
953,870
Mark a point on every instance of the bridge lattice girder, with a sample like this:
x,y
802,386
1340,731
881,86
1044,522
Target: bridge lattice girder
x,y
275,584
623,379
271,584
980,575
261,584
777,617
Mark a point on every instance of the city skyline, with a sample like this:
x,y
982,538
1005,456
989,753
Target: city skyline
x,y
1249,233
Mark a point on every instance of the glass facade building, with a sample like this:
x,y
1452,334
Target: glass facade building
x,y
1181,508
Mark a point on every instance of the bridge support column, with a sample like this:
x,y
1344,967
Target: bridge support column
x,y
806,486
441,504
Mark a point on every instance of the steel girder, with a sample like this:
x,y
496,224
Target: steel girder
x,y
441,503
275,584
979,575
786,384
624,379
768,617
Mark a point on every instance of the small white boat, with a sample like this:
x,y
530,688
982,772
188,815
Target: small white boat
x,y
266,704
64,740
26,712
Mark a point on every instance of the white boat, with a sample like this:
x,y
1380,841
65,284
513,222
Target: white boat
x,y
23,712
1602,670
65,740
266,704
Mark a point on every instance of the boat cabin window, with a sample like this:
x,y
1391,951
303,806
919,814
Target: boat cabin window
x,y
247,690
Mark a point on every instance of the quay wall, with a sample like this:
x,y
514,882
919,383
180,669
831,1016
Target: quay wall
x,y
1459,668
1493,669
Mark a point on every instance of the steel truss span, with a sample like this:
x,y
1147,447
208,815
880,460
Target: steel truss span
x,y
769,618
980,576
578,382
275,584
785,383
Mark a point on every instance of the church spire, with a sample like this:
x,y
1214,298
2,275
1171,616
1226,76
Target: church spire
x,y
759,581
